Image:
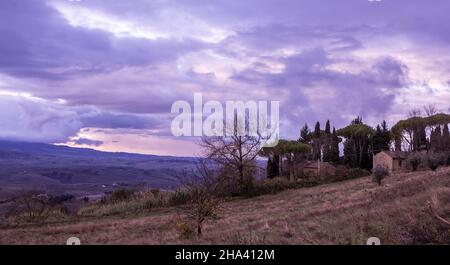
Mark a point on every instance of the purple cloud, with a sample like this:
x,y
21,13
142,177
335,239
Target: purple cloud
x,y
39,42
119,65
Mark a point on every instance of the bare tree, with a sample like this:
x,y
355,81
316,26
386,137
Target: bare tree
x,y
32,206
414,113
235,150
201,186
430,109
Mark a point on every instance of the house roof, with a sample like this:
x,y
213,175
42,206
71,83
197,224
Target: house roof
x,y
396,154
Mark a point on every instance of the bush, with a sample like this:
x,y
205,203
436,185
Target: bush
x,y
35,206
414,160
248,186
179,197
59,199
354,173
379,173
124,201
434,160
155,192
185,230
136,204
121,195
271,186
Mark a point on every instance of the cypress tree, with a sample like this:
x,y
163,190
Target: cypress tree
x,y
446,138
270,169
334,148
350,157
327,127
317,130
382,138
436,139
327,141
317,142
305,134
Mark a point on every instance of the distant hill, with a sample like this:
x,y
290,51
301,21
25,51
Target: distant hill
x,y
82,170
40,149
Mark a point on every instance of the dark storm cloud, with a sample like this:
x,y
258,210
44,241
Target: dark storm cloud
x,y
38,42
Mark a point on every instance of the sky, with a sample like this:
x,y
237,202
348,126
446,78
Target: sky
x,y
104,74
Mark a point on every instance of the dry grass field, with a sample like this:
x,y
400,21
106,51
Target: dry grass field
x,y
348,212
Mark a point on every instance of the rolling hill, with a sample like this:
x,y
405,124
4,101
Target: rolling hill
x,y
63,169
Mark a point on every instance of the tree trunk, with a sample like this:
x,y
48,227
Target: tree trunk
x,y
199,229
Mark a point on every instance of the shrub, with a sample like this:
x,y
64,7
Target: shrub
x,y
185,230
414,160
201,188
227,185
434,160
35,206
271,186
124,201
248,186
444,158
179,197
102,209
59,199
120,195
134,205
379,173
353,173
155,192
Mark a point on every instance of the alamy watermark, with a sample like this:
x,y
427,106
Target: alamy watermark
x,y
212,118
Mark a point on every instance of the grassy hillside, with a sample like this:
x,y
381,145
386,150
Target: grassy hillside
x,y
341,213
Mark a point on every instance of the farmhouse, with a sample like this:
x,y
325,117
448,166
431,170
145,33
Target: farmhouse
x,y
392,160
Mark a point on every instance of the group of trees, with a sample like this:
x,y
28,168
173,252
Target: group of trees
x,y
360,142
440,139
324,143
358,145
419,133
282,158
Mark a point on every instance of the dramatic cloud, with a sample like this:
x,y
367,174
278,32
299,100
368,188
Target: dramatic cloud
x,y
105,73
30,119
38,41
27,118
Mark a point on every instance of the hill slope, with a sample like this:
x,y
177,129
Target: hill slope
x,y
342,213
81,171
